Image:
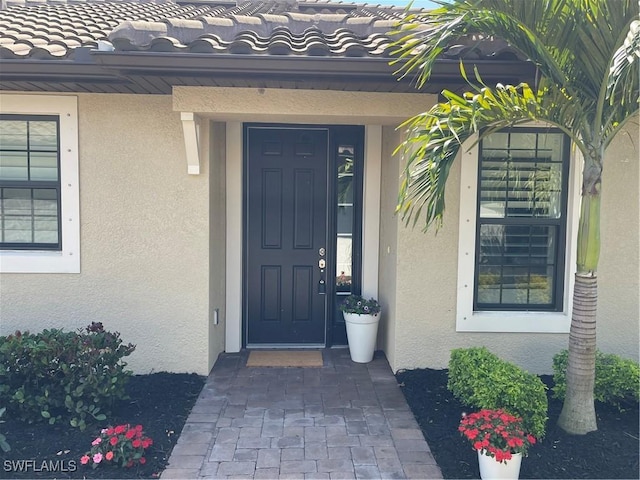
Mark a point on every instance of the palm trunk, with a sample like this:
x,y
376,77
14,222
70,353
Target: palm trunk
x,y
578,414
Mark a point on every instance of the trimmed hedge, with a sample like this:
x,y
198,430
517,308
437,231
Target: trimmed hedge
x,y
54,374
480,379
617,379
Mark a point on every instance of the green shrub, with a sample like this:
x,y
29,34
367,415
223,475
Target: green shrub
x,y
480,379
4,445
54,374
617,379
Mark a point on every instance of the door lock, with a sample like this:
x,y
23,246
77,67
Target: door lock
x,y
322,263
322,252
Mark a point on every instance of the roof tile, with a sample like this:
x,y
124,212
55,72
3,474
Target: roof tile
x,y
52,29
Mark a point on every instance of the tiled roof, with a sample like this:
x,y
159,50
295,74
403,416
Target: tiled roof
x,y
55,29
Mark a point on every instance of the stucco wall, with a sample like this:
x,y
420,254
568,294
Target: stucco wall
x,y
388,273
425,290
217,228
144,240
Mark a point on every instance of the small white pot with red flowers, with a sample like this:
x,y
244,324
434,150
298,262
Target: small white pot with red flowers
x,y
500,441
361,317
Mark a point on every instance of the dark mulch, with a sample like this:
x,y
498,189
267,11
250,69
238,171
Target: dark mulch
x,y
160,402
610,452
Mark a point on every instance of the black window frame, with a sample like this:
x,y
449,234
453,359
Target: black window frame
x,y
560,225
34,185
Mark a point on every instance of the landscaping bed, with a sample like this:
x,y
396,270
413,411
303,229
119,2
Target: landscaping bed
x,y
610,452
160,402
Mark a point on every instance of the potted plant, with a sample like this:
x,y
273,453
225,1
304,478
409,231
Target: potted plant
x,y
500,441
361,317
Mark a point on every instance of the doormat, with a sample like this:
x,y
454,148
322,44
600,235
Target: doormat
x,y
284,358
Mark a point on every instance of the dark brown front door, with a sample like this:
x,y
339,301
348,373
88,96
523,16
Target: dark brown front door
x,y
286,235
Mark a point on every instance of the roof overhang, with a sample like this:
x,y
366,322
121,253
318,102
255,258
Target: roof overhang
x,y
157,72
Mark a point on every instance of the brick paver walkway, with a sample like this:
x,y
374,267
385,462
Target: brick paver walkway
x,y
342,421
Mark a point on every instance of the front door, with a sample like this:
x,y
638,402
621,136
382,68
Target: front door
x,y
286,235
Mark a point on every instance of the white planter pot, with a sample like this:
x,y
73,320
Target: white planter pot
x,y
362,331
490,469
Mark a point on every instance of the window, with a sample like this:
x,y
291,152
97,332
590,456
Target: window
x,y
521,217
39,205
29,182
517,232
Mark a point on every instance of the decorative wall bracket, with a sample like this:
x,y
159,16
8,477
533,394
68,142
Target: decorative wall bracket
x,y
191,131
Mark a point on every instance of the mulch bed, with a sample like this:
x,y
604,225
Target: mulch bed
x,y
610,452
160,402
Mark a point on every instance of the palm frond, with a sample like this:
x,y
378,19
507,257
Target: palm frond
x,y
624,75
434,138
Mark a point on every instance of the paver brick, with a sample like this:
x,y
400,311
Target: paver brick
x,y
266,473
315,451
367,472
407,434
339,452
363,456
316,476
412,445
180,473
297,466
420,472
292,454
268,458
335,465
416,457
245,455
236,468
227,435
186,461
315,434
222,453
288,442
190,449
343,441
342,475
255,442
195,437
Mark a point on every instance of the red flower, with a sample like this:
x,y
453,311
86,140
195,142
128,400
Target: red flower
x,y
109,455
120,429
113,441
142,460
496,431
136,443
130,434
472,434
110,431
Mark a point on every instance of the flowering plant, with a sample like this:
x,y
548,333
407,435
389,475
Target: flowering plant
x,y
124,445
497,432
357,304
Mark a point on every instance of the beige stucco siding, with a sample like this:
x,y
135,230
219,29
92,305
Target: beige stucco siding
x,y
144,240
619,268
425,290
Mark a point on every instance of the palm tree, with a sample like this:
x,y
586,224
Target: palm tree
x,y
585,53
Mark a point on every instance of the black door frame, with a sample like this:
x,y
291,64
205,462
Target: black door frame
x,y
335,333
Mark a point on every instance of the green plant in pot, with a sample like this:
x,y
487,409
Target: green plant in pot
x,y
361,317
